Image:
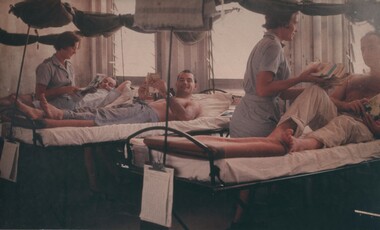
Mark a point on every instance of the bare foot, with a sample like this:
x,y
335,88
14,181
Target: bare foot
x,y
31,112
287,139
298,144
293,144
7,101
51,111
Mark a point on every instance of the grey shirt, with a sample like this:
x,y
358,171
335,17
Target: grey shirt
x,y
53,74
256,115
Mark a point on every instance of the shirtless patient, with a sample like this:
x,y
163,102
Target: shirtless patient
x,y
181,107
338,119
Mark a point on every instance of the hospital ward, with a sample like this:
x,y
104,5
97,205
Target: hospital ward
x,y
190,114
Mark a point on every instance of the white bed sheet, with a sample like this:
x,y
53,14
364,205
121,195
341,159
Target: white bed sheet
x,y
239,170
66,136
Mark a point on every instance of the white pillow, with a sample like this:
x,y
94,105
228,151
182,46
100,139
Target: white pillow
x,y
213,104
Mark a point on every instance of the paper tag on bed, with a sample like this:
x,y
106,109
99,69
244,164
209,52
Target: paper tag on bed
x,y
9,160
157,196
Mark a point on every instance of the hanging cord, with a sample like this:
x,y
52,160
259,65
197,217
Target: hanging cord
x,y
19,83
211,62
168,97
22,64
122,50
115,9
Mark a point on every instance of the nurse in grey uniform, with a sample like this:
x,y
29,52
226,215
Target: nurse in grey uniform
x,y
267,79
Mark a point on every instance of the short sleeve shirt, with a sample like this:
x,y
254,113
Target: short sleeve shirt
x,y
53,74
267,55
256,115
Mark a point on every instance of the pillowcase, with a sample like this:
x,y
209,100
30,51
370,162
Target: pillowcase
x,y
213,104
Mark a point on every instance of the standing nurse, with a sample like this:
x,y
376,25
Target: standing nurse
x,y
267,78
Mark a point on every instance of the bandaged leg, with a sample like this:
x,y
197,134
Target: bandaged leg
x,y
313,107
340,131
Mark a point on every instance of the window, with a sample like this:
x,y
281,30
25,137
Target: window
x,y
233,36
134,52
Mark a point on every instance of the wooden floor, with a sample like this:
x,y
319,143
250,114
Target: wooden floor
x,y
64,201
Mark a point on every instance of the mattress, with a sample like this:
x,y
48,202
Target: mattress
x,y
249,169
66,136
212,106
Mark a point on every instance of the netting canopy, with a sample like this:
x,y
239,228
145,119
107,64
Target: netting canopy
x,y
53,13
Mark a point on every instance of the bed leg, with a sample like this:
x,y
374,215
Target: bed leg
x,y
184,226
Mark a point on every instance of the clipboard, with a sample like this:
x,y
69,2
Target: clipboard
x,y
9,160
157,195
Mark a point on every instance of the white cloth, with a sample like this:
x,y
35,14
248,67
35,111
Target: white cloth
x,y
342,130
314,108
92,99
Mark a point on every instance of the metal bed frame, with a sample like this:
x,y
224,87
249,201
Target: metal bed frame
x,y
216,185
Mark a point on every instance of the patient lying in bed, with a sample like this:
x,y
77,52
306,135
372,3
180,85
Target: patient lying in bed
x,y
315,109
102,94
181,107
330,128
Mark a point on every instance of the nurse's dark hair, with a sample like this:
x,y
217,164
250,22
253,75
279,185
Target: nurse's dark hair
x,y
66,39
187,71
278,18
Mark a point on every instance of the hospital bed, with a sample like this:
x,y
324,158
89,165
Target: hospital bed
x,y
221,167
218,168
48,155
30,132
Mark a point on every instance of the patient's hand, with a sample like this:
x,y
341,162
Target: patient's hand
x,y
373,126
355,107
160,85
142,91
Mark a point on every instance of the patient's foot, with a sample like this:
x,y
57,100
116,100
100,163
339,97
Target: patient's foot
x,y
31,112
298,144
287,139
8,100
51,111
